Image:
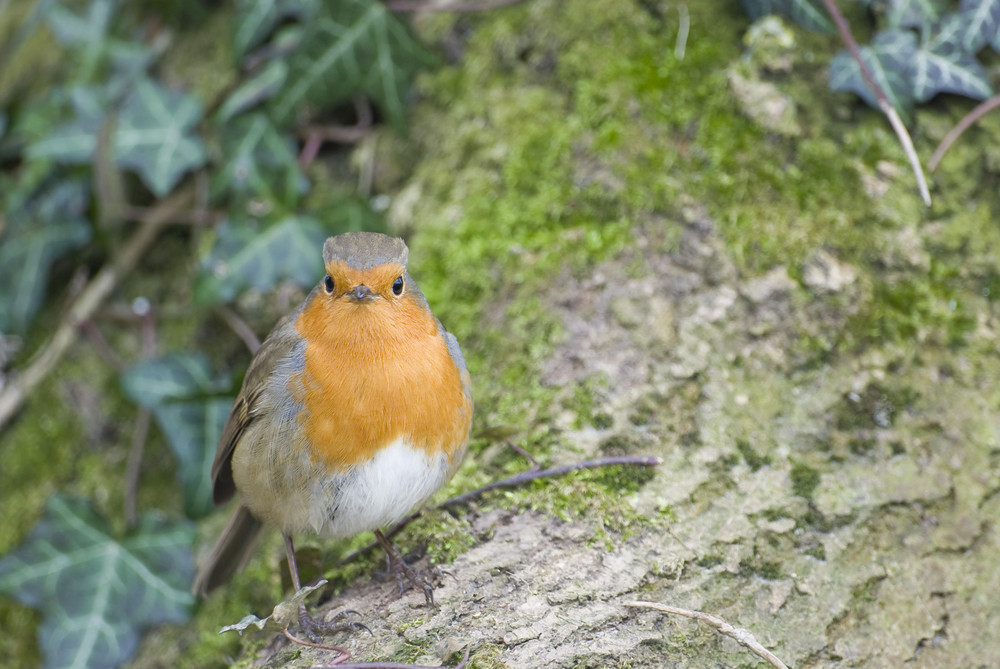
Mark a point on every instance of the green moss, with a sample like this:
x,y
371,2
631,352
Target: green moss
x,y
753,459
927,308
202,59
487,656
443,536
622,443
578,497
709,561
770,571
622,479
817,551
587,399
805,479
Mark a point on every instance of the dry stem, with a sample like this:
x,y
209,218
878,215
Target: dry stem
x,y
883,100
740,634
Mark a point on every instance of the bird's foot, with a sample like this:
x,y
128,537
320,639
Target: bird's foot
x,y
407,577
315,630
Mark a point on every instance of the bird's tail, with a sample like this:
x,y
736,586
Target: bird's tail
x,y
230,553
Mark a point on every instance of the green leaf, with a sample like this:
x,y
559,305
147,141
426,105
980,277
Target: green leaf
x,y
915,13
807,13
41,228
152,135
193,431
81,29
255,21
255,90
88,34
174,376
285,613
96,592
259,162
943,66
245,257
982,23
183,393
352,46
888,59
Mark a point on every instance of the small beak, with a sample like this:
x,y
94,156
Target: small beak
x,y
360,293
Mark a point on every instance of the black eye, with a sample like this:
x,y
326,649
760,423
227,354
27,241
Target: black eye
x,y
397,286
328,284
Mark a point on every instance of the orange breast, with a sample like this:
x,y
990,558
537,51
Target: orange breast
x,y
375,373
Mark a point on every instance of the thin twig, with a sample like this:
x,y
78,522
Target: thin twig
x,y
881,98
134,465
740,634
339,660
682,31
509,482
240,327
429,6
532,474
100,344
535,465
190,217
316,135
963,125
20,386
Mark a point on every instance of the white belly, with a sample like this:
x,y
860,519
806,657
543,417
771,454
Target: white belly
x,y
376,494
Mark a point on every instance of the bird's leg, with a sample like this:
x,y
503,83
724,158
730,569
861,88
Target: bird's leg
x,y
399,567
309,625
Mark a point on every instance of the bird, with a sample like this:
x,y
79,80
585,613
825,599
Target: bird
x,y
354,411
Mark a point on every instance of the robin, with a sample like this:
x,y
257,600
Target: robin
x,y
355,410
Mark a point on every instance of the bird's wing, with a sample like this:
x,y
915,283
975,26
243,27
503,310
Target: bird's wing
x,y
277,346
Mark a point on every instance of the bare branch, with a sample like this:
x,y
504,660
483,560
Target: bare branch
x,y
740,634
963,125
883,100
240,327
84,306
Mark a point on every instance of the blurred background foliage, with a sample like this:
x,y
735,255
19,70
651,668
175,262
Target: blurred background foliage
x,y
114,123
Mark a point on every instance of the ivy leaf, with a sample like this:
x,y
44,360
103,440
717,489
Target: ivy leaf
x,y
982,23
193,429
809,14
888,59
40,230
245,257
915,13
255,90
152,135
942,65
184,397
80,29
351,46
96,591
89,34
259,162
175,376
257,20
